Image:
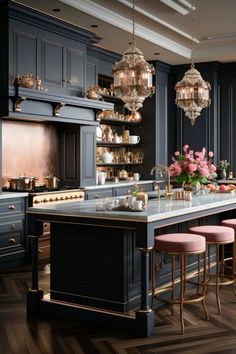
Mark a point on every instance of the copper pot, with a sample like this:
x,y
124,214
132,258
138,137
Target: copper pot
x,y
13,183
52,182
26,183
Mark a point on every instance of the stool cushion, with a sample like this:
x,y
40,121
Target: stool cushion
x,y
180,243
229,223
214,233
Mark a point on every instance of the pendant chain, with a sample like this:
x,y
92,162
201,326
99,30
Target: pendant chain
x,y
133,18
192,52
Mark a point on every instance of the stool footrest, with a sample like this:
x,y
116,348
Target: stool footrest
x,y
190,300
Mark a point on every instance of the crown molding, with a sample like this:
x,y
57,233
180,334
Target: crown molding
x,y
158,20
125,24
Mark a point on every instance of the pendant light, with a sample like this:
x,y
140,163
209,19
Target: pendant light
x,y
192,92
133,76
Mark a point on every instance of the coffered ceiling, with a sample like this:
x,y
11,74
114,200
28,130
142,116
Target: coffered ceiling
x,y
163,27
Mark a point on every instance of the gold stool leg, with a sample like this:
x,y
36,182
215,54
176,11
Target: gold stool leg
x,y
217,279
153,275
234,266
204,284
182,271
222,262
173,283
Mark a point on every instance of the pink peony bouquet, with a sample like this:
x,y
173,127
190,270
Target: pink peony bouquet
x,y
192,167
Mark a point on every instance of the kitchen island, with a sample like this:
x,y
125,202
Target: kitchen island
x,y
100,260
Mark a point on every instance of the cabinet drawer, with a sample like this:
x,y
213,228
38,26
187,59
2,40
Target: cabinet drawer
x,y
10,226
9,240
123,190
146,187
96,194
12,206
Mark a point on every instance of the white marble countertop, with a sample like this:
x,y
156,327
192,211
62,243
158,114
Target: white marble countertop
x,y
157,209
227,181
119,184
8,195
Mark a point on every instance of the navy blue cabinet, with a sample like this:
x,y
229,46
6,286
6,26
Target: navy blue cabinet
x,y
91,71
77,155
62,65
12,232
59,62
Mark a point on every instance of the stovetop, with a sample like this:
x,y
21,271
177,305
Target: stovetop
x,y
42,189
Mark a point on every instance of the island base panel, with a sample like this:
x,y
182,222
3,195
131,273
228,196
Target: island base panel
x,y
95,266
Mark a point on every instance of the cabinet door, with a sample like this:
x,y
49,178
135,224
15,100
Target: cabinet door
x,y
69,156
88,156
52,61
63,65
74,78
77,156
91,72
22,50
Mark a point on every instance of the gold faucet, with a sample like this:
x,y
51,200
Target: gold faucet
x,y
168,187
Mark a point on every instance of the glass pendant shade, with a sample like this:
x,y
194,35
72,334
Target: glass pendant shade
x,y
192,94
133,77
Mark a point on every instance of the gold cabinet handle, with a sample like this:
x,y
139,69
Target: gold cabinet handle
x,y
12,240
12,207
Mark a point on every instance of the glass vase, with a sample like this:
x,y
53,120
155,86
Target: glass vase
x,y
223,174
192,187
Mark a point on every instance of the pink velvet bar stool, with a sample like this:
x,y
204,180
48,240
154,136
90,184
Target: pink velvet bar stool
x,y
180,245
218,236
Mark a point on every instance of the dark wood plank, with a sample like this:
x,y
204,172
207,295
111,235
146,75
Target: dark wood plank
x,y
24,334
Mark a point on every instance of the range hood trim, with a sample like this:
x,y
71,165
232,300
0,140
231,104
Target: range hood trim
x,y
68,109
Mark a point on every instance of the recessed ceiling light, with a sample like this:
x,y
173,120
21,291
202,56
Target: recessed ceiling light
x,y
56,10
94,26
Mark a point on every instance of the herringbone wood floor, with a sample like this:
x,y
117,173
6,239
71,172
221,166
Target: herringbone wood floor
x,y
20,334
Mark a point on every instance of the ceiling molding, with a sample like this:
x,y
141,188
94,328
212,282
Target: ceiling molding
x,y
158,20
125,24
175,6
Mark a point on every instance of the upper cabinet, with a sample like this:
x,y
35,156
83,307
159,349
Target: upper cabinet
x,y
54,53
57,61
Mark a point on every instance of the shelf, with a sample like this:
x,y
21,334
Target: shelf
x,y
119,164
112,99
117,145
33,94
118,122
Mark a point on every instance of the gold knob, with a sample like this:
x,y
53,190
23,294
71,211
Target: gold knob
x,y
12,240
12,207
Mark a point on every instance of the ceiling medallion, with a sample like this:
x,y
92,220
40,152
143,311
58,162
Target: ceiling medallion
x,y
192,92
133,76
